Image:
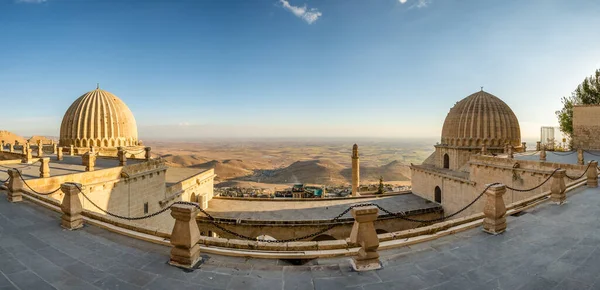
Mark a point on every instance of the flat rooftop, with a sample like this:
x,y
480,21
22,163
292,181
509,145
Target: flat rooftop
x,y
309,209
548,247
569,157
72,164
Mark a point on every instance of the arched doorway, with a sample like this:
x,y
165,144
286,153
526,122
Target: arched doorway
x,y
438,194
446,161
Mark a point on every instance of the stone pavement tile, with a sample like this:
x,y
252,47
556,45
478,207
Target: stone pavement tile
x,y
234,269
163,269
538,283
395,273
167,283
73,283
248,282
10,265
4,281
267,271
30,241
577,254
456,283
98,261
29,280
111,282
210,279
55,256
8,287
297,278
85,272
133,276
569,284
557,271
407,282
357,279
457,268
48,271
320,271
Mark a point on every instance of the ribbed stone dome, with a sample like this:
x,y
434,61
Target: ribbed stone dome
x,y
478,119
98,118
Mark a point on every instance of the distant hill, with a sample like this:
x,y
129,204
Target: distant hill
x,y
9,137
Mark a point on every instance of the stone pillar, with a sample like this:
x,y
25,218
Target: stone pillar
x,y
71,207
148,154
59,153
538,146
2,146
89,161
185,236
15,186
592,174
484,150
27,151
122,157
543,153
364,234
355,171
45,167
40,150
510,152
54,148
11,148
494,210
71,150
524,145
580,160
558,187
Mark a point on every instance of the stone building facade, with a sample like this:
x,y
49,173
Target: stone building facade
x,y
586,127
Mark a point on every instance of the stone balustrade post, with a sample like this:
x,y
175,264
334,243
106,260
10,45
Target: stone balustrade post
x,y
40,150
59,153
510,152
45,167
494,210
364,234
15,186
122,156
538,146
524,145
592,174
580,160
71,206
558,187
185,237
54,148
2,149
27,153
89,161
505,148
11,148
71,150
543,153
484,150
148,154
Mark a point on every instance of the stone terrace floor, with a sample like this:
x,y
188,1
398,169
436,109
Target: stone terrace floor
x,y
549,247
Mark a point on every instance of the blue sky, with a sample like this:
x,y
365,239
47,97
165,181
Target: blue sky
x,y
352,68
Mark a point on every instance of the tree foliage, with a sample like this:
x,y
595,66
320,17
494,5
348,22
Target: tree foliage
x,y
587,93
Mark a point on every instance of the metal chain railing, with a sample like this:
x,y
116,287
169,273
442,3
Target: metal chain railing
x,y
562,154
35,191
535,187
591,153
583,174
21,168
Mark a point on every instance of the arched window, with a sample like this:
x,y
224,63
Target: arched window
x,y
438,194
446,161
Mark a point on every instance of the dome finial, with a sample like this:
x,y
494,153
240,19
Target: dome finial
x,y
97,86
482,88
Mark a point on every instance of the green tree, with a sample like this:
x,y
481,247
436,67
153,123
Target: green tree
x,y
380,189
587,93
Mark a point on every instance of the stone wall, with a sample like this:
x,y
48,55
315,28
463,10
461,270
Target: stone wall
x,y
197,188
282,230
586,127
424,183
5,155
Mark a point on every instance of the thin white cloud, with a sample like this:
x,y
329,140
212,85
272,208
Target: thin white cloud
x,y
417,3
309,15
31,1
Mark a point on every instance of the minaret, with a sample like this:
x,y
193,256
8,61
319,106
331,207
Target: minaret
x,y
355,171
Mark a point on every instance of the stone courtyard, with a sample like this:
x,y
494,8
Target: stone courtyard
x,y
548,247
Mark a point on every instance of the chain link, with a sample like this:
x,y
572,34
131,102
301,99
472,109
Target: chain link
x,y
586,170
562,154
591,153
33,190
535,187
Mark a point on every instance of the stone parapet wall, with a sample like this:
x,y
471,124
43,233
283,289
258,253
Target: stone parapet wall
x,y
5,155
586,127
197,188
